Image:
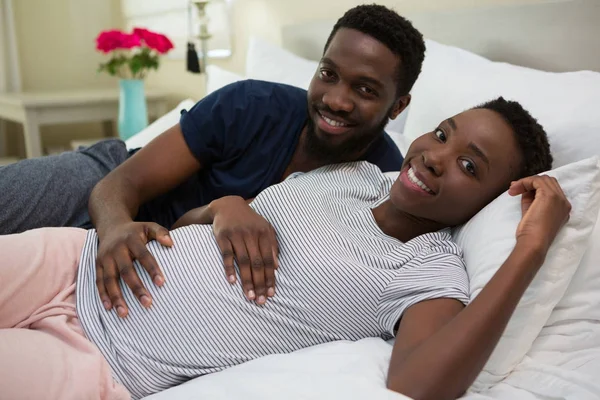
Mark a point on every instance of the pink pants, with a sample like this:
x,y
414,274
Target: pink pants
x,y
43,351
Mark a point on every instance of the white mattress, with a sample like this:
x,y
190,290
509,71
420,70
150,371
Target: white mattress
x,y
569,368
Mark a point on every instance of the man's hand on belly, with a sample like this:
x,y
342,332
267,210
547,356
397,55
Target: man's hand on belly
x,y
116,253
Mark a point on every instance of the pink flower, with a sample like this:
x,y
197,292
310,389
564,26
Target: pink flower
x,y
108,41
155,41
130,41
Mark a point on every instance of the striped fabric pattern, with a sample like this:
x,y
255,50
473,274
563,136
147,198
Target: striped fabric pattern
x,y
340,278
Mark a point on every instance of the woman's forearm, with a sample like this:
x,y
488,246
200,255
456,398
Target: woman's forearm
x,y
447,363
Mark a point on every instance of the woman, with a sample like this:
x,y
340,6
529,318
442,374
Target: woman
x,y
360,256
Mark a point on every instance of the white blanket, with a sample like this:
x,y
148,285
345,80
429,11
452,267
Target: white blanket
x,y
568,368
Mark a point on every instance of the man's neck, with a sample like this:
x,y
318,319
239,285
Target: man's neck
x,y
303,161
401,225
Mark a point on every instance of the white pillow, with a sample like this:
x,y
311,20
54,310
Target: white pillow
x,y
582,299
566,104
159,126
488,239
268,62
218,77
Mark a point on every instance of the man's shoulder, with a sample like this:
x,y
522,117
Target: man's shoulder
x,y
385,154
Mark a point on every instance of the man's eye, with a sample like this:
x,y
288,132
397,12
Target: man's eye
x,y
468,166
326,74
440,135
367,90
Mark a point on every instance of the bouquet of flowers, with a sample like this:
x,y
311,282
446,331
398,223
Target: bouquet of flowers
x,y
134,54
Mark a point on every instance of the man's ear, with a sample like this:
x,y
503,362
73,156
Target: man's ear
x,y
400,105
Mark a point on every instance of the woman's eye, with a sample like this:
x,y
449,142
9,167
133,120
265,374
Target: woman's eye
x,y
440,135
468,166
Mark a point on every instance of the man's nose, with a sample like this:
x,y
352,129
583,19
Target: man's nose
x,y
338,98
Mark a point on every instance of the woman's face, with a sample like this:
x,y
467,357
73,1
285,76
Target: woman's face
x,y
451,173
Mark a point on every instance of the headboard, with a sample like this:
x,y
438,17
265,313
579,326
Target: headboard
x,y
553,36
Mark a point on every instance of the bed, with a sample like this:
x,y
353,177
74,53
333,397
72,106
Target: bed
x,y
551,349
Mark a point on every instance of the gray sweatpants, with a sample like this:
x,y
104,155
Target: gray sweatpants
x,y
54,190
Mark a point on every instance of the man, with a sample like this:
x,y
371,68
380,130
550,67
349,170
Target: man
x,y
237,141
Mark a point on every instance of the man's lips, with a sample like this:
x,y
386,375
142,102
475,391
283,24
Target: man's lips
x,y
332,125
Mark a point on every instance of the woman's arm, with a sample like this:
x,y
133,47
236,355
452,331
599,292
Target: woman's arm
x,y
441,347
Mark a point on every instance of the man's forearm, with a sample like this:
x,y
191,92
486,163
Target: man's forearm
x,y
201,215
112,202
447,363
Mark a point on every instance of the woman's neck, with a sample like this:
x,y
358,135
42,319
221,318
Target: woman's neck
x,y
401,225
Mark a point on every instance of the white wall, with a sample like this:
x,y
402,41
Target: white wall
x,y
265,18
56,44
56,50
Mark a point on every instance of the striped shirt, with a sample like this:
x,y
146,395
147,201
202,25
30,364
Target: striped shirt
x,y
339,278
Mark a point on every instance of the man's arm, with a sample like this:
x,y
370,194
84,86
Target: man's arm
x,y
157,168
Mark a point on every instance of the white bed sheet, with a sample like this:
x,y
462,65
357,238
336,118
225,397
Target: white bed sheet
x,y
568,368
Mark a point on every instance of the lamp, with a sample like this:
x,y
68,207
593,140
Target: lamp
x,y
203,35
212,25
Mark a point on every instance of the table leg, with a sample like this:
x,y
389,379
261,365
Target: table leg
x,y
33,140
107,129
3,144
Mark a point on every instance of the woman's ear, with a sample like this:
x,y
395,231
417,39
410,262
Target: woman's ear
x,y
400,105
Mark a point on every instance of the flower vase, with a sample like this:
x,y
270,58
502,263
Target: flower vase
x,y
133,114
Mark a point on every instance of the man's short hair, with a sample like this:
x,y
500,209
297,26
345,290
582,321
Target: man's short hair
x,y
394,31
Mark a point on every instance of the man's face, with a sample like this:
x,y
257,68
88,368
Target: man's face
x,y
352,96
453,172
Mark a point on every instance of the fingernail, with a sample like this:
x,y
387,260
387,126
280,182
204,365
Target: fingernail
x,y
271,292
251,294
261,299
145,301
121,311
158,280
106,304
232,278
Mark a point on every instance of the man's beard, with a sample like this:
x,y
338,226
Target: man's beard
x,y
349,150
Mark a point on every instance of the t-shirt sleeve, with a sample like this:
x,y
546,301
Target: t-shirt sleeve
x,y
432,275
212,127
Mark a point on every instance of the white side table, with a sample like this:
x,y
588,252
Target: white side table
x,y
94,105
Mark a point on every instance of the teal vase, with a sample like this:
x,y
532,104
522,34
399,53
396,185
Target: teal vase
x,y
133,114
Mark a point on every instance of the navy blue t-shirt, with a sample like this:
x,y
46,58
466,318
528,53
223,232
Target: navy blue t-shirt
x,y
244,136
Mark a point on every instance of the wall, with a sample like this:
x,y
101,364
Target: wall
x,y
56,46
55,40
265,18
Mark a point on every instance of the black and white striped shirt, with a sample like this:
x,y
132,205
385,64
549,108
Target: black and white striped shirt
x,y
340,278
